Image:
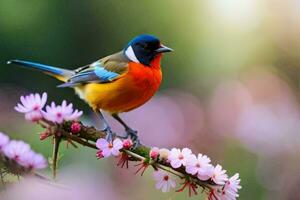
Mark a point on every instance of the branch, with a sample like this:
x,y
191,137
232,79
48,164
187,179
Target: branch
x,y
59,122
56,143
88,135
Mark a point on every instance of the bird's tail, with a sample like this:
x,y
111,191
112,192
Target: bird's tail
x,y
59,73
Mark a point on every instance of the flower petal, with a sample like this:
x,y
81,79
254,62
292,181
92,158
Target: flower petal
x,y
102,144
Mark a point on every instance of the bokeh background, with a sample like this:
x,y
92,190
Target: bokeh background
x,y
230,89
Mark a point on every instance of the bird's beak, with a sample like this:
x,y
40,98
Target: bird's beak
x,y
163,49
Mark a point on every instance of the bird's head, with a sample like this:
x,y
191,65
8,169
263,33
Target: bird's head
x,y
144,48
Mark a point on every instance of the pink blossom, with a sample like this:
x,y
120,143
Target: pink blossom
x,y
16,149
60,113
127,144
154,152
33,116
201,166
230,190
32,105
163,181
109,148
33,160
178,158
219,176
4,140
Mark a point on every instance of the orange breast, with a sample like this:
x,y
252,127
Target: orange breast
x,y
128,92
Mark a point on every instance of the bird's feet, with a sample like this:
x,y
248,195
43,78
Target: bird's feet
x,y
134,137
109,134
129,133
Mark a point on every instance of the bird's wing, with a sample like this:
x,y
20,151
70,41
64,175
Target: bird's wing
x,y
104,70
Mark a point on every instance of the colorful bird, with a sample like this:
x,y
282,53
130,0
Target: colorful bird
x,y
116,83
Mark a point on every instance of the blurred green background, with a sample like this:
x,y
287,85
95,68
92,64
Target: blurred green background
x,y
230,89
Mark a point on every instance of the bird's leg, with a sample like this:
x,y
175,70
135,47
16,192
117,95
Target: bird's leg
x,y
129,131
106,129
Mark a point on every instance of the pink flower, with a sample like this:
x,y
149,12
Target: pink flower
x,y
32,105
163,181
154,152
127,144
4,140
33,116
178,158
230,190
33,160
201,166
60,113
16,149
219,176
109,148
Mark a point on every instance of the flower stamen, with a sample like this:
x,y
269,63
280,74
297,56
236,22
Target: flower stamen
x,y
143,168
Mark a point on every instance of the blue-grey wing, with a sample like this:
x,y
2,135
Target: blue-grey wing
x,y
102,71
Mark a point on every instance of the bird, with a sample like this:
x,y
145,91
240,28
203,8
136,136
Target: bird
x,y
115,84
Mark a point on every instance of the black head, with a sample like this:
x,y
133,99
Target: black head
x,y
144,48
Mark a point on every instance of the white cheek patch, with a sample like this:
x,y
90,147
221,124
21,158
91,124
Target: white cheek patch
x,y
130,54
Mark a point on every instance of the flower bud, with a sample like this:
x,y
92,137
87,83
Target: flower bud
x,y
75,127
127,144
99,154
154,152
164,153
44,135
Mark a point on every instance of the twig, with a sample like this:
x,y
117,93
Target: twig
x,y
56,143
139,154
82,142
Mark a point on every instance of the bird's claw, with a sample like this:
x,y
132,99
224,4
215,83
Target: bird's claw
x,y
134,137
130,133
109,134
136,143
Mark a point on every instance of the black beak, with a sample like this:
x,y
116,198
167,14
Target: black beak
x,y
163,49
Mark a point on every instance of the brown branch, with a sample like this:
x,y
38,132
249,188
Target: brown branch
x,y
87,136
80,141
89,133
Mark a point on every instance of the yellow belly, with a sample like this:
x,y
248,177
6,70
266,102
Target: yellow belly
x,y
121,95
